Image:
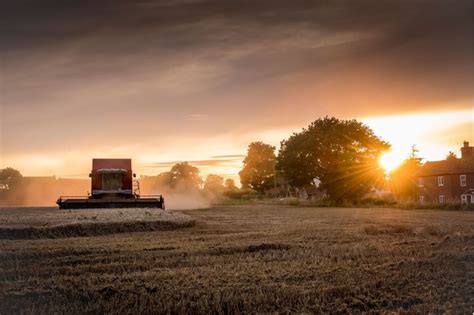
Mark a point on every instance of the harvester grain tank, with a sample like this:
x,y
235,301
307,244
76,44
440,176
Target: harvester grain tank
x,y
112,186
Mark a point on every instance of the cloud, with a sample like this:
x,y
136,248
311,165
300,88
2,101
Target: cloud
x,y
94,75
235,156
197,117
210,162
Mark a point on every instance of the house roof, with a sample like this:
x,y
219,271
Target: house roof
x,y
445,167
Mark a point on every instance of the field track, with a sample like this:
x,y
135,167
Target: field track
x,y
252,258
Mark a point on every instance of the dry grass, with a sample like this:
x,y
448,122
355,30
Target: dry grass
x,y
24,223
247,259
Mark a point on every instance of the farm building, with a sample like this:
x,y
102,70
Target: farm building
x,y
448,181
282,189
311,192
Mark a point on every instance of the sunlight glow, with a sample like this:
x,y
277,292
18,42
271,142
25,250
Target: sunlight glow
x,y
391,160
434,134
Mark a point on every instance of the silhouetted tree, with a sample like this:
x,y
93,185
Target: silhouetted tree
x,y
183,175
230,185
10,177
259,167
402,180
214,184
342,154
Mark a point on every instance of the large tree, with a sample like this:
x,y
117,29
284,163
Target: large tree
x,y
10,177
214,184
342,154
230,185
259,167
185,176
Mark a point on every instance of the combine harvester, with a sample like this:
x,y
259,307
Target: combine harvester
x,y
112,186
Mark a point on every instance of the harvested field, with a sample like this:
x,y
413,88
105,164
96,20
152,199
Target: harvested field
x,y
24,223
247,259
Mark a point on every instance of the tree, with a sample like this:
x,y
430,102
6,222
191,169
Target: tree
x,y
183,175
259,167
10,177
214,184
342,154
230,185
402,180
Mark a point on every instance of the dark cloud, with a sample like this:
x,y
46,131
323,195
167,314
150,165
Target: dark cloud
x,y
28,24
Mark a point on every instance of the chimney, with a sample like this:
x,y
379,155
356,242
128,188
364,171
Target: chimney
x,y
467,151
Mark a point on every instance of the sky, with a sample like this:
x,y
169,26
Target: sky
x,y
198,80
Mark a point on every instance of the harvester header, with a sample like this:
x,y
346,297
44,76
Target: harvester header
x,y
112,186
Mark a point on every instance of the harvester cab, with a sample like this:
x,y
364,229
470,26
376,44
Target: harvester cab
x,y
112,186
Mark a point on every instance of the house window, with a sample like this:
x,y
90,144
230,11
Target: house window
x,y
422,200
462,180
420,182
463,198
441,199
440,180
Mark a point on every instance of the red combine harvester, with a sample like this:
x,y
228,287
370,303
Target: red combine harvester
x,y
112,186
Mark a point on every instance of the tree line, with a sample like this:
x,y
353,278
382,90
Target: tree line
x,y
342,155
184,177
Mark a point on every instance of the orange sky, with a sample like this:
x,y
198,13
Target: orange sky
x,y
198,80
435,134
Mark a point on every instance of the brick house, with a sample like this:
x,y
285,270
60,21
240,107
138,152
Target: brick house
x,y
447,181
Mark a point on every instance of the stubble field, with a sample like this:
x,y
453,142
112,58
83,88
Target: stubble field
x,y
252,258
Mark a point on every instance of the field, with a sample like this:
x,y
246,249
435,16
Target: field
x,y
252,258
21,223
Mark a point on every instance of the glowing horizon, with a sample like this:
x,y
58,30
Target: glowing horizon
x,y
401,131
426,131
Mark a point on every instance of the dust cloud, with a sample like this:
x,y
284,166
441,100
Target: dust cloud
x,y
186,201
182,197
44,191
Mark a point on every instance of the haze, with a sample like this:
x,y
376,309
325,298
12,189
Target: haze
x,y
166,81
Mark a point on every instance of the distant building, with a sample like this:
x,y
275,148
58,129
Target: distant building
x,y
447,181
311,192
281,189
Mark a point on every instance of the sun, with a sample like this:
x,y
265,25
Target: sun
x,y
391,160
